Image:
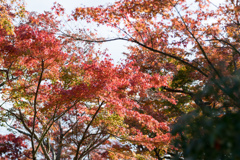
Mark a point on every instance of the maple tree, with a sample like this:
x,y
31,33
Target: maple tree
x,y
7,13
67,100
11,147
177,93
195,44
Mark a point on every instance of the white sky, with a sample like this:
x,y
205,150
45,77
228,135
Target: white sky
x,y
41,5
115,48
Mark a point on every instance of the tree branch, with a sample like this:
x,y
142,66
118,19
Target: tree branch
x,y
143,45
85,132
35,109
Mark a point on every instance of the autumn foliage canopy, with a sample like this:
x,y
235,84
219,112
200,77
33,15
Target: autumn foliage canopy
x,y
176,93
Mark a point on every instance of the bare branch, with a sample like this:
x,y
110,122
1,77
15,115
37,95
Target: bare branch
x,y
85,132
